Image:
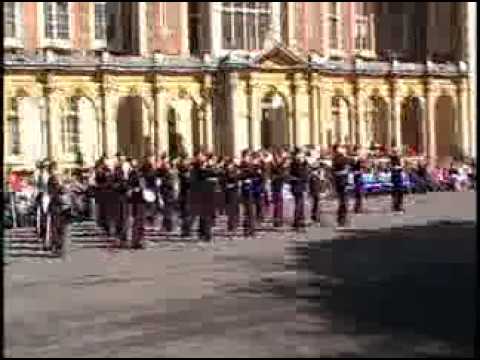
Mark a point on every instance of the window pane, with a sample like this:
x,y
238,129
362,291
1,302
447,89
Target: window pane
x,y
62,20
15,135
9,18
251,41
334,33
333,8
263,28
49,20
100,33
227,31
238,42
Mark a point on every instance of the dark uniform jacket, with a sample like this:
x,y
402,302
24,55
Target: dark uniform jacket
x,y
298,176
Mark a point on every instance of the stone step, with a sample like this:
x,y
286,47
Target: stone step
x,y
26,246
32,254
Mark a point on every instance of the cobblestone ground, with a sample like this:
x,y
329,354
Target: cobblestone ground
x,y
395,286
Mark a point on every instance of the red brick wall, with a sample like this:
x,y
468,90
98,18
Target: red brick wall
x,y
81,38
30,26
167,37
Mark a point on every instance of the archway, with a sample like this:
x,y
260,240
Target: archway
x,y
274,128
446,131
377,131
175,139
412,124
341,131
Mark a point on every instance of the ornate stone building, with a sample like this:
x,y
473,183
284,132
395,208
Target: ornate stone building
x,y
142,78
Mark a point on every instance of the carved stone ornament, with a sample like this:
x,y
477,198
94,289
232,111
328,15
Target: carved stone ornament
x,y
182,93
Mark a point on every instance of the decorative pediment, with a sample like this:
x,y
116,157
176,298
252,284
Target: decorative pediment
x,y
279,57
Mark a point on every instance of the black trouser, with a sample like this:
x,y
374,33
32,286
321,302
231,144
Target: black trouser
x,y
248,214
121,216
315,206
299,214
231,208
258,200
168,209
277,198
138,213
358,199
397,199
205,227
185,215
342,205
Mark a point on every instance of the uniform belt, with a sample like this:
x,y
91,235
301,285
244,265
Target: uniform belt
x,y
231,186
343,172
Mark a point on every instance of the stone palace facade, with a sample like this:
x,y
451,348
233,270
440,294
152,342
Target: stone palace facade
x,y
96,78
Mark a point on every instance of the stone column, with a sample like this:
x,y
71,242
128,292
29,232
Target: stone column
x,y
255,115
110,110
54,145
314,111
291,22
232,140
430,117
361,121
463,115
302,136
207,112
161,136
325,100
395,126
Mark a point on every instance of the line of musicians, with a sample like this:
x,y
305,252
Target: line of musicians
x,y
129,191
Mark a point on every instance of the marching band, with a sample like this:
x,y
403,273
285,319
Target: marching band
x,y
128,195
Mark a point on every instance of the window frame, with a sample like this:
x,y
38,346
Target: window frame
x,y
55,42
337,16
15,42
244,12
98,44
71,140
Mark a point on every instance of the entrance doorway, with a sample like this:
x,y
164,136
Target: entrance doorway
x,y
274,129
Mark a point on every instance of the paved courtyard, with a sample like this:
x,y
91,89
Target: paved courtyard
x,y
395,286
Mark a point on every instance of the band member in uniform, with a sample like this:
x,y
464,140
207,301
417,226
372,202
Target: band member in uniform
x,y
298,180
167,191
137,205
184,196
314,187
397,191
230,186
258,187
358,168
210,176
246,178
148,173
120,187
100,193
278,173
340,169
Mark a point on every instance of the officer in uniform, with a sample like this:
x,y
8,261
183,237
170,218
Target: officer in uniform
x,y
246,177
397,182
340,169
278,174
100,193
298,181
148,174
230,188
137,205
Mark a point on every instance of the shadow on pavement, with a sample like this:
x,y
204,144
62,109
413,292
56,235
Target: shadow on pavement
x,y
419,280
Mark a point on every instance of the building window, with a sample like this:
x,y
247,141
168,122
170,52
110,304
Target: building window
x,y
57,19
334,18
245,25
12,24
100,21
363,30
9,18
71,129
14,122
195,28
